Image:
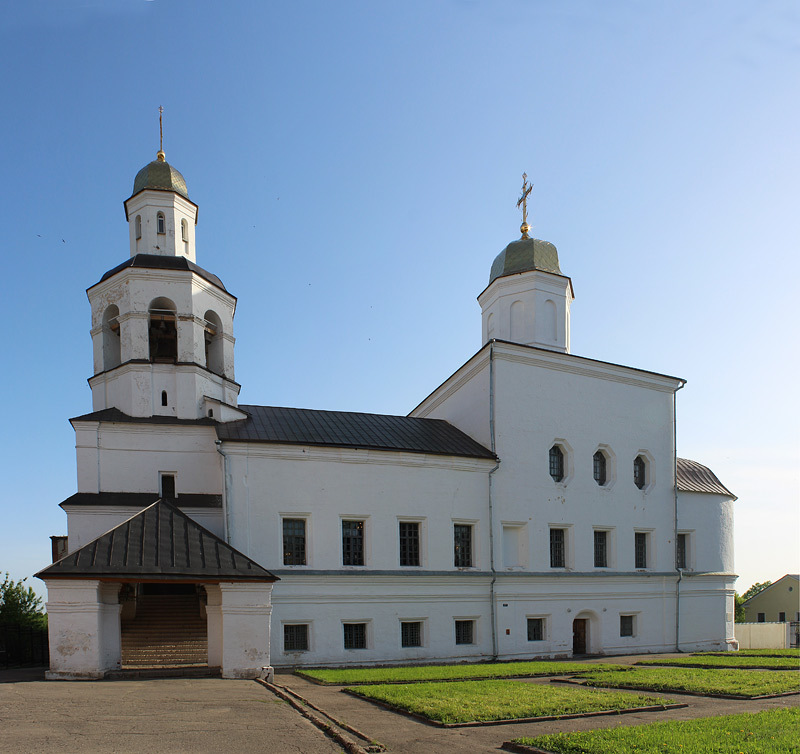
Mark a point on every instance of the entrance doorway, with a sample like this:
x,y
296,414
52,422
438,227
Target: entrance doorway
x,y
579,632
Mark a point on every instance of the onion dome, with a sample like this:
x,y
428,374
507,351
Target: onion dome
x,y
160,175
525,255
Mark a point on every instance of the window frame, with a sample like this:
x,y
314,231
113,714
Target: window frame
x,y
556,463
173,477
627,625
353,554
682,544
554,545
642,556
604,550
161,224
137,223
460,559
473,632
307,627
291,555
353,625
600,468
542,627
419,622
410,552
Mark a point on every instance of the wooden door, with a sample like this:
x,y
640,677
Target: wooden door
x,y
579,636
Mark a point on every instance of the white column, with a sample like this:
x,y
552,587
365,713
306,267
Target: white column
x,y
246,610
214,625
84,628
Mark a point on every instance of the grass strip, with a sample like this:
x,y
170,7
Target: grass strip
x,y
413,673
716,661
791,652
719,681
485,701
768,732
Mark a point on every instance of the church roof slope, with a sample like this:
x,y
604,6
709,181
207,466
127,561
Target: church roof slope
x,y
344,429
694,477
158,262
158,543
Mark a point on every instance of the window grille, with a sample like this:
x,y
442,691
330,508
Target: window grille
x,y
640,546
409,543
599,467
556,463
680,551
626,625
160,224
558,556
601,549
295,637
355,635
294,541
639,472
353,543
411,634
465,632
535,629
462,543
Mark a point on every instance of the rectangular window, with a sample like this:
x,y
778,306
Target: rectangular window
x,y
411,633
355,635
680,551
781,617
168,486
409,543
626,625
353,543
640,549
294,541
465,632
295,637
535,629
761,618
601,549
462,543
558,553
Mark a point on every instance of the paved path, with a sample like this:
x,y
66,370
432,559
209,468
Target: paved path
x,y
173,715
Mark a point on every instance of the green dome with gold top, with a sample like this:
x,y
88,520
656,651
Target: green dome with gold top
x,y
160,175
525,255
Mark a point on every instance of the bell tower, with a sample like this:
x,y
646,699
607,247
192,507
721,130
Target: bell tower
x,y
528,299
162,327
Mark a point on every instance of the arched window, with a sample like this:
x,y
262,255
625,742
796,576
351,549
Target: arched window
x,y
556,463
184,231
161,225
215,360
111,338
164,401
138,227
517,324
599,467
163,331
640,472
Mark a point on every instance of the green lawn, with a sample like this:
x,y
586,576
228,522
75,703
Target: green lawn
x,y
695,680
770,732
729,661
793,652
410,673
467,701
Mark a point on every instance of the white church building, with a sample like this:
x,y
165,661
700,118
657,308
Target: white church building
x,y
531,506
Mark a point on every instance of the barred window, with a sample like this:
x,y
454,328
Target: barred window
x,y
680,551
639,472
556,463
353,543
355,635
465,632
160,224
535,629
599,467
295,637
601,549
640,547
558,555
411,633
294,541
462,543
626,625
409,543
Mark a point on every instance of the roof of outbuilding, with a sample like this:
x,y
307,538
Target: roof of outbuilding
x,y
158,262
158,543
344,429
694,477
139,500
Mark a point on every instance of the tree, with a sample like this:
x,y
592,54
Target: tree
x,y
759,586
19,604
738,602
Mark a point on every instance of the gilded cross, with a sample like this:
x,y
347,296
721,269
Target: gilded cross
x,y
160,129
523,200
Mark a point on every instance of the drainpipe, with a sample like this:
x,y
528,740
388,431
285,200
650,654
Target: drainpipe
x,y
225,515
675,532
493,611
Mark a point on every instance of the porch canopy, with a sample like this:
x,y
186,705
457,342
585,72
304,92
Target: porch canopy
x,y
159,544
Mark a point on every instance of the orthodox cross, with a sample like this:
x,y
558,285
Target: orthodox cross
x,y
523,200
160,134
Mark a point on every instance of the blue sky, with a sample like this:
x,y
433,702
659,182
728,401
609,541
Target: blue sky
x,y
357,166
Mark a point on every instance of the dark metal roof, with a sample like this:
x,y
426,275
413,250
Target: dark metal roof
x,y
140,500
694,477
299,426
158,262
523,255
115,415
159,543
160,175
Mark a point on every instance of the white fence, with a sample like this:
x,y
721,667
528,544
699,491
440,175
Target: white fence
x,y
767,635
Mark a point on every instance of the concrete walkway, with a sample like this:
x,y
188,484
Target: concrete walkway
x,y
173,715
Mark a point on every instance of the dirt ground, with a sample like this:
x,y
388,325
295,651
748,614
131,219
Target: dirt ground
x,y
213,715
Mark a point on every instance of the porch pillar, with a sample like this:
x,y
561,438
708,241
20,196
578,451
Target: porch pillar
x,y
214,625
246,609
